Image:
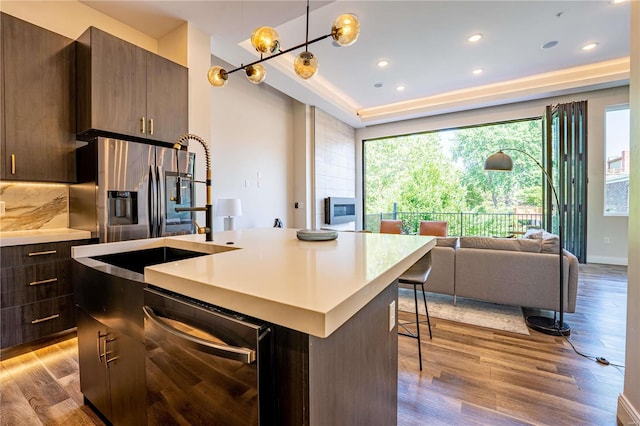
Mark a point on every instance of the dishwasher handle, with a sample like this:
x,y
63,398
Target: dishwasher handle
x,y
235,353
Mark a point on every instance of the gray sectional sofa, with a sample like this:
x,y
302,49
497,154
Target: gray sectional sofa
x,y
521,272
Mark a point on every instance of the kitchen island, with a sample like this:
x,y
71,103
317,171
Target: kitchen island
x,y
333,304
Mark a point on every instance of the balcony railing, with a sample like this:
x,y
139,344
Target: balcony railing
x,y
461,223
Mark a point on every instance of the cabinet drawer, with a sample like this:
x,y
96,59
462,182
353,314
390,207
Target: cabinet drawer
x,y
31,254
28,284
21,324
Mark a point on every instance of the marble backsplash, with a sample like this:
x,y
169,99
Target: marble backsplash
x,y
29,206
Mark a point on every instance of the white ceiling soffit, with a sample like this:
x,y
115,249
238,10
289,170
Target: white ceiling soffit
x,y
426,44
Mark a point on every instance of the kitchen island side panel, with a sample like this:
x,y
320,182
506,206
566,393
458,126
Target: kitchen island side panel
x,y
350,377
354,372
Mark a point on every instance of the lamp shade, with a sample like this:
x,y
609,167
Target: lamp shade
x,y
228,207
256,73
345,29
499,162
217,76
265,40
306,65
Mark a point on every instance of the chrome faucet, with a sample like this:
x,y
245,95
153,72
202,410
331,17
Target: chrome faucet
x,y
208,208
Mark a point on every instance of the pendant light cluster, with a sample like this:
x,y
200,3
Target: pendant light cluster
x,y
266,41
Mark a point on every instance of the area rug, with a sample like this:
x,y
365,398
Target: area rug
x,y
468,311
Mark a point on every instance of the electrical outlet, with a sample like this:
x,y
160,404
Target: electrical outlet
x,y
392,315
606,240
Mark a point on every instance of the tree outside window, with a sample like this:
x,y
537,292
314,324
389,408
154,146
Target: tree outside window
x,y
443,171
617,165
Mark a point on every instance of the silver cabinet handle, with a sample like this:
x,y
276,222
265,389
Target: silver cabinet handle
x,y
42,253
143,123
49,318
100,353
107,352
13,164
235,353
50,280
151,126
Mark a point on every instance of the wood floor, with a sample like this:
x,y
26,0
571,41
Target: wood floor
x,y
471,376
476,376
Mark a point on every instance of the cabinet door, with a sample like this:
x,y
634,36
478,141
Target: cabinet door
x,y
118,85
39,103
25,323
127,376
94,375
29,284
167,99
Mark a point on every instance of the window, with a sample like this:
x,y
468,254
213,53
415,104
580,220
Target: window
x,y
616,184
440,175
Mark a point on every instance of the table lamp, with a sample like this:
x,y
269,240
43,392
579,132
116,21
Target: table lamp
x,y
229,208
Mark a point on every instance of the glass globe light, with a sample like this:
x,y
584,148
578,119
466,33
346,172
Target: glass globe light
x,y
217,76
345,29
265,40
256,73
306,65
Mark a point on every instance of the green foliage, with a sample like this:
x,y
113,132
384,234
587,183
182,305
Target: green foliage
x,y
444,171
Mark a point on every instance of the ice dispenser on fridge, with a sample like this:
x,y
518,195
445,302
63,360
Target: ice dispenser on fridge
x,y
123,207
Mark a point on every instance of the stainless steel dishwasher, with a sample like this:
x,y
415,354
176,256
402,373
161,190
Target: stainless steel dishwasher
x,y
205,365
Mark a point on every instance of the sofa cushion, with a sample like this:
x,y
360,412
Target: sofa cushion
x,y
447,242
518,244
550,242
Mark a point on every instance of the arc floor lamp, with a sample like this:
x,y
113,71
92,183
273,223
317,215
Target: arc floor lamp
x,y
555,326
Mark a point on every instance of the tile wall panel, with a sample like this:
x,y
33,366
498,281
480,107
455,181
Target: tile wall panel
x,y
29,206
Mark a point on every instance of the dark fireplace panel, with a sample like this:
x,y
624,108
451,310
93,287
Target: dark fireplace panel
x,y
339,210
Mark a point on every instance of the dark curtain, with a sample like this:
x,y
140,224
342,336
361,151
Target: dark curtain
x,y
565,159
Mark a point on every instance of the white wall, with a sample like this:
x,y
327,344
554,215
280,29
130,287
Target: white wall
x,y
252,134
599,226
72,18
629,400
303,165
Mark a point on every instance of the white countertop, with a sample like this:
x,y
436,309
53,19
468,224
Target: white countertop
x,y
312,287
16,238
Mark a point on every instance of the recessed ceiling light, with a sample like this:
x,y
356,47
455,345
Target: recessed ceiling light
x,y
400,88
383,63
549,44
474,37
590,46
478,71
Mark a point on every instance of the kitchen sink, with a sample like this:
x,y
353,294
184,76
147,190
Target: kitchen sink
x,y
137,260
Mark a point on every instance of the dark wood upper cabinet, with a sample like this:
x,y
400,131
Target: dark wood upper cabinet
x,y
167,98
126,91
38,103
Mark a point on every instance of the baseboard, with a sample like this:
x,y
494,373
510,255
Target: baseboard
x,y
627,415
604,260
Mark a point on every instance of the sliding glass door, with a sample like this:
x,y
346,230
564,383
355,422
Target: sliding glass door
x,y
565,157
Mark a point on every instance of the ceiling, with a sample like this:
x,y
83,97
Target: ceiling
x,y
425,43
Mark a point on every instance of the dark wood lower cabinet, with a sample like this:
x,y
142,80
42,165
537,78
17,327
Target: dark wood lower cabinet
x,y
26,323
36,291
28,284
112,371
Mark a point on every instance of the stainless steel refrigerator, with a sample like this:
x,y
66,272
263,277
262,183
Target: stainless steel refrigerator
x,y
128,190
